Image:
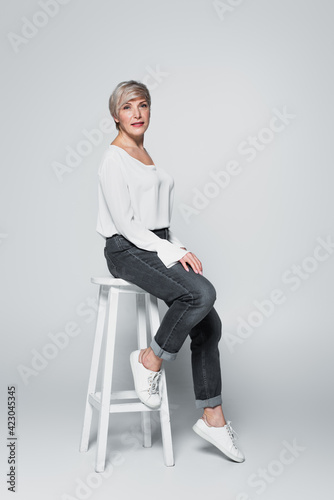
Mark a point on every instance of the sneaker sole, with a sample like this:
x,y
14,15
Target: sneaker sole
x,y
202,434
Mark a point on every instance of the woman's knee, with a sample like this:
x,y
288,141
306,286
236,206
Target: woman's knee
x,y
206,294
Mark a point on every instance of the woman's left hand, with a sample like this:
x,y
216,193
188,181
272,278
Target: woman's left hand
x,y
194,262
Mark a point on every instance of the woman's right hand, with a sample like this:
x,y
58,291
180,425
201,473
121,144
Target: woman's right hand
x,y
195,263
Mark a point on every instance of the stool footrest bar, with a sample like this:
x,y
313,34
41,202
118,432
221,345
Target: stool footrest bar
x,y
95,401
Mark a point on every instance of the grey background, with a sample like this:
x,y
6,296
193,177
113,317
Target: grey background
x,y
223,78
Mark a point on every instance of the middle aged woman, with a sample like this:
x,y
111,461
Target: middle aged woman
x,y
135,205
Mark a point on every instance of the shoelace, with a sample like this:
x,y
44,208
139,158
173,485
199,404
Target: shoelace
x,y
153,379
231,432
233,435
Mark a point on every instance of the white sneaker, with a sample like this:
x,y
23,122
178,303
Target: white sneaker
x,y
146,382
221,437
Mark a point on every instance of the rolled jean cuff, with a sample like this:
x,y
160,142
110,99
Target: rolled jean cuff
x,y
212,402
168,356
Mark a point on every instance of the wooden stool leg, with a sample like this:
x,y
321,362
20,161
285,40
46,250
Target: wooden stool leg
x,y
107,382
102,306
142,344
166,432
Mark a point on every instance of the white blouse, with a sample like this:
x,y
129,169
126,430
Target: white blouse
x,y
133,199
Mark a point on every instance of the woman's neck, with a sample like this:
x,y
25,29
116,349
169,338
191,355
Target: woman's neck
x,y
126,141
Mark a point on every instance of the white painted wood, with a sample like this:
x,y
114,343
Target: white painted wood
x,y
166,432
142,344
124,395
125,286
100,321
141,321
106,401
153,311
95,400
107,381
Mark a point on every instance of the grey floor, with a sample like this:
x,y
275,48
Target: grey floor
x,y
51,467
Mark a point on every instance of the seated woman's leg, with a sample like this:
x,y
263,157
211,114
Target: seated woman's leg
x,y
205,360
190,296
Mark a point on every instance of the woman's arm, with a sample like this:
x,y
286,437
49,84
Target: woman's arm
x,y
173,239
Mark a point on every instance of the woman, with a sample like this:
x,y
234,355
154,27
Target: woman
x,y
135,204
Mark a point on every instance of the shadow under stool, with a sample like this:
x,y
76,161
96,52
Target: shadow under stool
x,y
105,401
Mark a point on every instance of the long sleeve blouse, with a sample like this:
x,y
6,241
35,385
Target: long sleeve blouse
x,y
133,199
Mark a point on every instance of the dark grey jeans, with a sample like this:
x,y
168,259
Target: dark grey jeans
x,y
190,298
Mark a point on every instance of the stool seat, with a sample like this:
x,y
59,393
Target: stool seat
x,y
106,401
123,285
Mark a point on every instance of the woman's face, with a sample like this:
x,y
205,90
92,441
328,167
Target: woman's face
x,y
134,116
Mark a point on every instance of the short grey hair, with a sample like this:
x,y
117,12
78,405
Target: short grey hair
x,y
124,92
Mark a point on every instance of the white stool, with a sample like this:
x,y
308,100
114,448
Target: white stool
x,y
103,401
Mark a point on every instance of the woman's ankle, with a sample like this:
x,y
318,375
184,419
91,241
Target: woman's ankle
x,y
150,360
214,416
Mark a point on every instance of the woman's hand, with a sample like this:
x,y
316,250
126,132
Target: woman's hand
x,y
194,262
